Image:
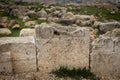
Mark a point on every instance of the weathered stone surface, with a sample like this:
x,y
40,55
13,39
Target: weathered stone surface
x,y
16,26
6,68
109,26
27,32
5,63
5,31
30,23
68,18
24,66
42,13
105,57
62,46
16,51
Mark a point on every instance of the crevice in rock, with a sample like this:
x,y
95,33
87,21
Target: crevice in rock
x,y
36,54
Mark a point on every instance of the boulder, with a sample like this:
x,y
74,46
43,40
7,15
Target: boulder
x,y
27,32
52,9
113,33
17,13
62,46
109,26
30,23
42,14
17,55
53,19
32,14
16,26
5,31
68,18
85,17
16,10
25,18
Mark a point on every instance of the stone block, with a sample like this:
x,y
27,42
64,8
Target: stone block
x,y
20,51
62,46
105,58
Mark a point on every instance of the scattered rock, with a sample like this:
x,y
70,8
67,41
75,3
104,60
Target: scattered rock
x,y
5,31
42,14
25,18
27,32
30,23
113,33
68,18
109,26
16,26
32,14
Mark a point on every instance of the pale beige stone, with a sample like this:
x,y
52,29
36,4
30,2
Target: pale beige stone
x,y
62,46
20,51
24,66
6,68
105,58
5,31
27,32
5,56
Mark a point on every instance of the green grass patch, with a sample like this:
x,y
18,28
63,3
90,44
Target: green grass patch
x,y
15,33
74,73
101,13
41,21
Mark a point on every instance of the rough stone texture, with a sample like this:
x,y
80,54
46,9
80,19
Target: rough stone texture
x,y
5,31
105,57
17,55
27,32
104,27
62,46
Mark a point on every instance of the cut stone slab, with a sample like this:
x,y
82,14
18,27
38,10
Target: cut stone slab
x,y
105,58
62,46
16,50
20,47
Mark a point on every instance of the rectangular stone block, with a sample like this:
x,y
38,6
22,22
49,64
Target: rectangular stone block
x,y
105,61
62,46
16,50
6,68
20,48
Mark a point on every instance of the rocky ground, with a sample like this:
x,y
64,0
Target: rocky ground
x,y
15,17
21,20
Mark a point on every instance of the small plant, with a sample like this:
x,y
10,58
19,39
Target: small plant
x,y
77,74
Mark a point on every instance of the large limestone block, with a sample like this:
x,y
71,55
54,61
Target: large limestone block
x,y
105,58
16,50
62,46
20,48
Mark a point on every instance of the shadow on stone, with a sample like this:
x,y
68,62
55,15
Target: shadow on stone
x,y
77,74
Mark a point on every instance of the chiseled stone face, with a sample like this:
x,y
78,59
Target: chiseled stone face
x,y
17,55
105,58
62,46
